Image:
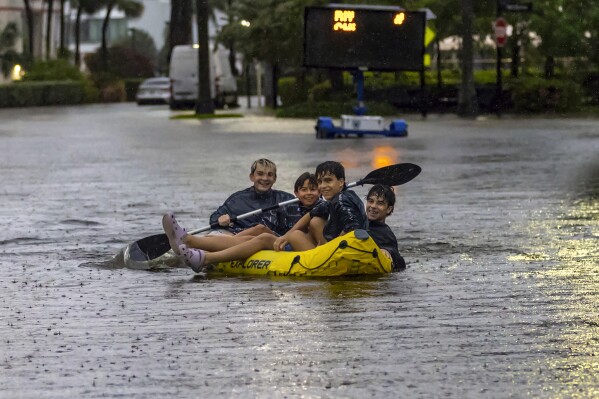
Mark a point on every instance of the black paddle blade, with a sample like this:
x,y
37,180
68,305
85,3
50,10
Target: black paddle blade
x,y
149,248
392,175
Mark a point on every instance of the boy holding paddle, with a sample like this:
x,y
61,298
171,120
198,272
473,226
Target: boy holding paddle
x,y
341,213
306,191
263,175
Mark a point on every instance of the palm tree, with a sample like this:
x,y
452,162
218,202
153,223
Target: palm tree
x,y
29,17
83,6
204,104
131,8
180,24
49,27
61,48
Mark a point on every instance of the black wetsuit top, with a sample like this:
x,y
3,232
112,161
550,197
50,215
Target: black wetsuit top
x,y
344,213
248,200
291,215
383,237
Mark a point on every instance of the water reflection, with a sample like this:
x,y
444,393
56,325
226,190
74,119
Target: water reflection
x,y
568,249
380,156
384,156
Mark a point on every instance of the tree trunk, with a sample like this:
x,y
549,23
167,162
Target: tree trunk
x,y
78,36
232,55
62,51
549,67
336,79
104,51
517,35
467,103
515,67
49,28
439,64
180,24
270,84
29,17
233,59
204,103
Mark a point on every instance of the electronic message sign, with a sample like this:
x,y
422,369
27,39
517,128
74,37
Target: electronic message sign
x,y
349,36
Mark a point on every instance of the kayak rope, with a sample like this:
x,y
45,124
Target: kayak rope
x,y
342,245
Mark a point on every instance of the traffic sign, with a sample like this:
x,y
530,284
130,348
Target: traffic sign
x,y
500,27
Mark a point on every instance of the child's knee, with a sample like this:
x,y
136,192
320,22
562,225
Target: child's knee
x,y
317,223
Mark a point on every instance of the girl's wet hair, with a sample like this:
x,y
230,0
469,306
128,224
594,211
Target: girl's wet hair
x,y
333,167
267,163
303,177
384,192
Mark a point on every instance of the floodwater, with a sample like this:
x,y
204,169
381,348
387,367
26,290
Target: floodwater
x,y
500,233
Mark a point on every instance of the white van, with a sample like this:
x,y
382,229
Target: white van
x,y
184,80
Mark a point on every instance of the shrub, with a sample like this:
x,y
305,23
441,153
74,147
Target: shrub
x,y
320,92
333,109
113,92
590,84
53,70
292,91
131,87
315,109
541,95
28,94
122,62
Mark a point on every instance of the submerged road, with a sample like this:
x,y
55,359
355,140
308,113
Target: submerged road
x,y
500,233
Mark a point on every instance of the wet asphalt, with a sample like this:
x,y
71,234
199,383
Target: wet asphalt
x,y
500,233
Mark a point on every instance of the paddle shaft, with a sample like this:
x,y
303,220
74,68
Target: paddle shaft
x,y
245,215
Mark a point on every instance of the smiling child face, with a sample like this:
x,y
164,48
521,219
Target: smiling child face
x,y
377,208
263,178
308,193
329,185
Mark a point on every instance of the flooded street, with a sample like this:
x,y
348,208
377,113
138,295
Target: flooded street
x,y
500,233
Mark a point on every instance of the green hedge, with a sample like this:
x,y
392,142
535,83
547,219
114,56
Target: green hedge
x,y
333,109
536,95
293,91
29,94
53,71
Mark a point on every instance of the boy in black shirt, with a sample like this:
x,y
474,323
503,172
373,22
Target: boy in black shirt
x,y
380,202
263,174
341,213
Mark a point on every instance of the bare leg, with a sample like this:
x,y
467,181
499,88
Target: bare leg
x,y
300,241
214,243
316,228
243,250
255,231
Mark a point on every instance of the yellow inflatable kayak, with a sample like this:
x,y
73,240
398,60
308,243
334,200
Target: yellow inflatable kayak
x,y
352,254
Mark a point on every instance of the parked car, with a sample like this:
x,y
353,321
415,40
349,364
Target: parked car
x,y
154,91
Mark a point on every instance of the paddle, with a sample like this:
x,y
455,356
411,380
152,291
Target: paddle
x,y
152,247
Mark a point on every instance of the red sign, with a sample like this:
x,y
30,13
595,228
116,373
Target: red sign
x,y
500,27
